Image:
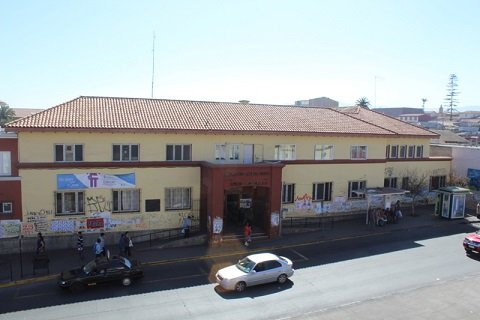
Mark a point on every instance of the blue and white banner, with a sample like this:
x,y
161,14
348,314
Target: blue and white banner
x,y
95,181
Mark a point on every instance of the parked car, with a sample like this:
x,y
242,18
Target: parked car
x,y
471,243
101,270
255,269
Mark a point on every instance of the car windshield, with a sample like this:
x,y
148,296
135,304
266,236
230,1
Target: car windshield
x,y
126,262
89,267
245,265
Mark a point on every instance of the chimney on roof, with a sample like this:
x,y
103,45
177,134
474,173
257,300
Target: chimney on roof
x,y
244,101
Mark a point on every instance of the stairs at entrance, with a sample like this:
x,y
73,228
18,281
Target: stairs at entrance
x,y
240,238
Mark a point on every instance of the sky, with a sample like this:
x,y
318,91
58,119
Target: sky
x,y
394,53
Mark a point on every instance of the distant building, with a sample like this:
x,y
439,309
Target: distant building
x,y
396,112
24,112
323,102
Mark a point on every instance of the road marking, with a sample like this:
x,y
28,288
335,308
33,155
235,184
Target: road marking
x,y
208,257
299,254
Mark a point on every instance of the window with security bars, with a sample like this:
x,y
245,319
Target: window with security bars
x,y
126,200
69,202
178,198
322,191
125,152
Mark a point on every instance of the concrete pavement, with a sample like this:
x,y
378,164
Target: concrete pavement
x,y
22,266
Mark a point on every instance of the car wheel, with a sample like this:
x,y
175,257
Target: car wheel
x,y
126,282
282,278
468,252
76,287
240,286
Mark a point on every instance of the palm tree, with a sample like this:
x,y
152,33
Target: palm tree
x,y
6,114
363,102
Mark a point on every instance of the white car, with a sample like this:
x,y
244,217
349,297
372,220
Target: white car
x,y
255,269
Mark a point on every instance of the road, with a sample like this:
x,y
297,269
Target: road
x,y
413,268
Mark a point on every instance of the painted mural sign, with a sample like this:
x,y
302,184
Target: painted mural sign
x,y
10,228
474,176
95,181
95,223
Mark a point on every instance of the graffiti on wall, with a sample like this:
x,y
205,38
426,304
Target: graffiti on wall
x,y
98,204
303,202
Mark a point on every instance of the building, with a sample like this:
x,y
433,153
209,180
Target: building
x,y
10,188
115,164
322,102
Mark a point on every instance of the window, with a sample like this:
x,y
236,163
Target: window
x,y
356,189
178,198
288,191
358,152
437,182
323,152
405,183
227,151
6,207
394,152
403,152
411,151
126,200
179,152
387,152
419,152
69,202
390,182
285,152
5,163
68,152
125,152
322,191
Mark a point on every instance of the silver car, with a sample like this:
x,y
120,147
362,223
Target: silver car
x,y
255,269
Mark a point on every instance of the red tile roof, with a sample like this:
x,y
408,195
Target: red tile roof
x,y
135,114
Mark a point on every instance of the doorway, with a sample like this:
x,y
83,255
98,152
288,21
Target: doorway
x,y
245,204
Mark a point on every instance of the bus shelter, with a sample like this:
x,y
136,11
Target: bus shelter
x,y
384,198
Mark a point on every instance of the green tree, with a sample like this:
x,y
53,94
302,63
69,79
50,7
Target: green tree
x,y
6,114
363,102
452,93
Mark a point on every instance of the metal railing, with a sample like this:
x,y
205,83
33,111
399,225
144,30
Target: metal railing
x,y
163,236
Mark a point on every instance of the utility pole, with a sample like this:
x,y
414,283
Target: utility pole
x,y
153,61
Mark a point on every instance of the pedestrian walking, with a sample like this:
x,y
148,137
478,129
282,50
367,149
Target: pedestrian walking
x,y
187,222
128,245
102,243
122,244
97,248
247,232
80,245
40,244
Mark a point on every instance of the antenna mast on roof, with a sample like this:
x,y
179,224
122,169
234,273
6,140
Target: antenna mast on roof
x,y
153,60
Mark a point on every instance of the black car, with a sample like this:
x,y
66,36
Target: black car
x,y
101,270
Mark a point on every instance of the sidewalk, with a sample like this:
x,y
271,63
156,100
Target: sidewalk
x,y
65,259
